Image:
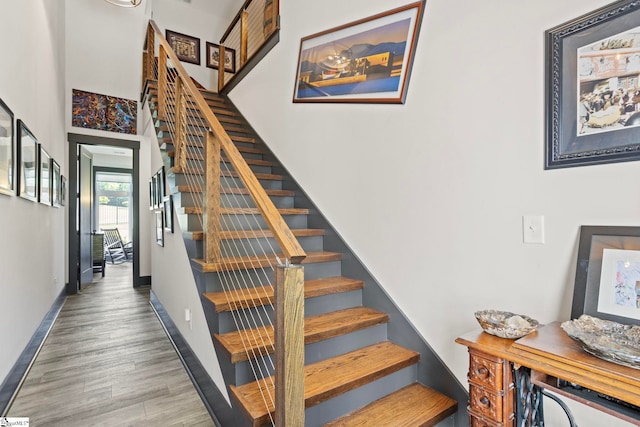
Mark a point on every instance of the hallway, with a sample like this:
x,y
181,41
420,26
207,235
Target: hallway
x,y
108,362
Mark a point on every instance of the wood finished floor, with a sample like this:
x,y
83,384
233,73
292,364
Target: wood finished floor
x,y
108,362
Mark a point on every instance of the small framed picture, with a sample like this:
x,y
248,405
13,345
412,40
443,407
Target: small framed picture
x,y
63,190
168,213
55,184
159,228
27,163
607,282
7,150
213,58
187,48
44,171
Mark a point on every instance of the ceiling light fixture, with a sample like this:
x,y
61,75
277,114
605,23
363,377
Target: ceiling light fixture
x,y
125,3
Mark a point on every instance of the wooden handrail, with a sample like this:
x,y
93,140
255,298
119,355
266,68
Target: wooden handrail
x,y
288,243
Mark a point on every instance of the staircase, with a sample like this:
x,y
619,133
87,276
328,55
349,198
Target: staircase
x,y
354,375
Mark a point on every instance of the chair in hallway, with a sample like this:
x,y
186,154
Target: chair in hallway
x,y
114,247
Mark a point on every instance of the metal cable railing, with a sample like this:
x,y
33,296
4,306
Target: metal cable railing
x,y
244,233
250,30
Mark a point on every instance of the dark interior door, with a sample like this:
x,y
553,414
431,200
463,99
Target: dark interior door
x,y
85,174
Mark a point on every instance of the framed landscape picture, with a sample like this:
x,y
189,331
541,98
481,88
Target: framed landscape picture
x,y
364,61
6,149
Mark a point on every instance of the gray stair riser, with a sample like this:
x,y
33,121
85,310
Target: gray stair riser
x,y
345,403
213,282
193,222
189,222
242,247
199,149
245,319
312,307
319,270
195,130
314,352
267,184
183,179
191,199
244,222
196,142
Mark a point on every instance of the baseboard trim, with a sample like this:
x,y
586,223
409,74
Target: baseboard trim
x,y
211,396
12,383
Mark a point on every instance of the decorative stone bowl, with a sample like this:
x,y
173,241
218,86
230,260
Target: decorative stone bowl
x,y
608,340
505,324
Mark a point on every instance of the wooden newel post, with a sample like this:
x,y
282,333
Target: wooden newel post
x,y
221,62
180,137
212,202
244,37
289,340
162,83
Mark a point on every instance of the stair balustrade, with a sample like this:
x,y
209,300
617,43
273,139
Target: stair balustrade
x,y
229,201
250,30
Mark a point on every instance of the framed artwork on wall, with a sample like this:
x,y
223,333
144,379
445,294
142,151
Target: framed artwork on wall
x,y
607,282
44,172
63,190
27,163
159,228
187,48
168,213
152,191
103,112
213,58
368,60
7,149
593,88
55,184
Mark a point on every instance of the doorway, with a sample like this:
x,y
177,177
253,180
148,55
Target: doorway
x,y
77,210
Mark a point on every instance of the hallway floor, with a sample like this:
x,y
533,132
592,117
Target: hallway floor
x,y
108,362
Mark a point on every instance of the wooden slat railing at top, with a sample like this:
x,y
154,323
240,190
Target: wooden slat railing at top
x,y
217,137
249,31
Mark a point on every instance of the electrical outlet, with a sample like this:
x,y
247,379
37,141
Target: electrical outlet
x,y
187,318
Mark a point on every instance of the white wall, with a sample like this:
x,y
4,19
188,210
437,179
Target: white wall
x,y
202,19
431,194
32,235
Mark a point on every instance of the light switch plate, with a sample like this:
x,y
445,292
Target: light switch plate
x,y
533,229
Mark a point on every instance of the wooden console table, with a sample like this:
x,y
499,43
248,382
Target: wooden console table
x,y
552,361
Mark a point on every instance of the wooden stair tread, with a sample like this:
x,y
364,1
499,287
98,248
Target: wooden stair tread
x,y
196,210
228,174
263,295
329,378
234,128
411,406
257,234
167,125
249,262
235,190
257,342
199,144
251,162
